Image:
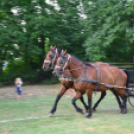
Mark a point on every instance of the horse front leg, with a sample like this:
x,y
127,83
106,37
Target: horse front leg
x,y
84,104
89,96
103,94
60,94
77,96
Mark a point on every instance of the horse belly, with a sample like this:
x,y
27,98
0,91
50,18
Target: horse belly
x,y
102,88
83,86
68,84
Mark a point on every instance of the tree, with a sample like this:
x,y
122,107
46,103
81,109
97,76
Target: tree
x,y
107,23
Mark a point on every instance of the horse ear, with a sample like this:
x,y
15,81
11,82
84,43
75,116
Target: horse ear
x,y
54,47
64,52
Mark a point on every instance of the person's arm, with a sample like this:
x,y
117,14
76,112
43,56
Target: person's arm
x,y
19,84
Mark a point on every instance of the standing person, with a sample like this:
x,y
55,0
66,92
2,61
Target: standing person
x,y
18,83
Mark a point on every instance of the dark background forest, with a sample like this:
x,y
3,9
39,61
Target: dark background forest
x,y
95,30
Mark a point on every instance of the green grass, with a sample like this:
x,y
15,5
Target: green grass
x,y
106,120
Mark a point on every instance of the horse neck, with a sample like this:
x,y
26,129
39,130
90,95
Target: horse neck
x,y
67,72
76,67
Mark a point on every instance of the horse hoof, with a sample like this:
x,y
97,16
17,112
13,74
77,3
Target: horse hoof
x,y
87,111
50,114
124,111
83,112
88,116
94,110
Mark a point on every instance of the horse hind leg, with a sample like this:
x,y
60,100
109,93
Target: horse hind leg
x,y
124,105
103,94
122,94
117,98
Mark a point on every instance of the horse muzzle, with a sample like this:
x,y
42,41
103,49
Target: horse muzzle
x,y
46,68
56,73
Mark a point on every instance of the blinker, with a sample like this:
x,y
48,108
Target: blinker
x,y
52,55
62,61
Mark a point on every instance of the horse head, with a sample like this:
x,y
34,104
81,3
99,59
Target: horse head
x,y
62,63
51,58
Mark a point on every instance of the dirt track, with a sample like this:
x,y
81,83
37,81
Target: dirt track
x,y
9,92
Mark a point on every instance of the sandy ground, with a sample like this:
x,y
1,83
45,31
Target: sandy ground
x,y
9,92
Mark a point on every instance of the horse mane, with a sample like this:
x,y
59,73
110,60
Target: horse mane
x,y
88,64
83,62
59,50
76,58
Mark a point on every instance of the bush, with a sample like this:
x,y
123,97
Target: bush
x,y
52,80
18,69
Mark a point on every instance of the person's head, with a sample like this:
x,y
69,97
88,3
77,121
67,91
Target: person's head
x,y
17,80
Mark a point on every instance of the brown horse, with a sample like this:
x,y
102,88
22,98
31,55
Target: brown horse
x,y
86,79
51,59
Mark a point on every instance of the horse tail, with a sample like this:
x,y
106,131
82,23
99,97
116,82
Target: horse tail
x,y
129,92
128,77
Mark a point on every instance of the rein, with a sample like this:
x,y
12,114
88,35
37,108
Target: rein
x,y
74,69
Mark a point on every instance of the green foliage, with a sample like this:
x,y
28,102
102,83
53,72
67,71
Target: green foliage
x,y
16,69
52,80
105,33
110,30
47,46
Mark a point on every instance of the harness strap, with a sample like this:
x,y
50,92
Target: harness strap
x,y
47,61
96,82
70,78
85,80
66,78
84,70
98,78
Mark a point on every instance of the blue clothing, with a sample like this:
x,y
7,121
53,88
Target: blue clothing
x,y
19,90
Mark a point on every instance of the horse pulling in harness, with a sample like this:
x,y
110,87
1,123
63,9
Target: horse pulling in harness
x,y
48,63
70,78
68,81
111,78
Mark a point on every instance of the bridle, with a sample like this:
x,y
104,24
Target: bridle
x,y
63,61
53,55
67,59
